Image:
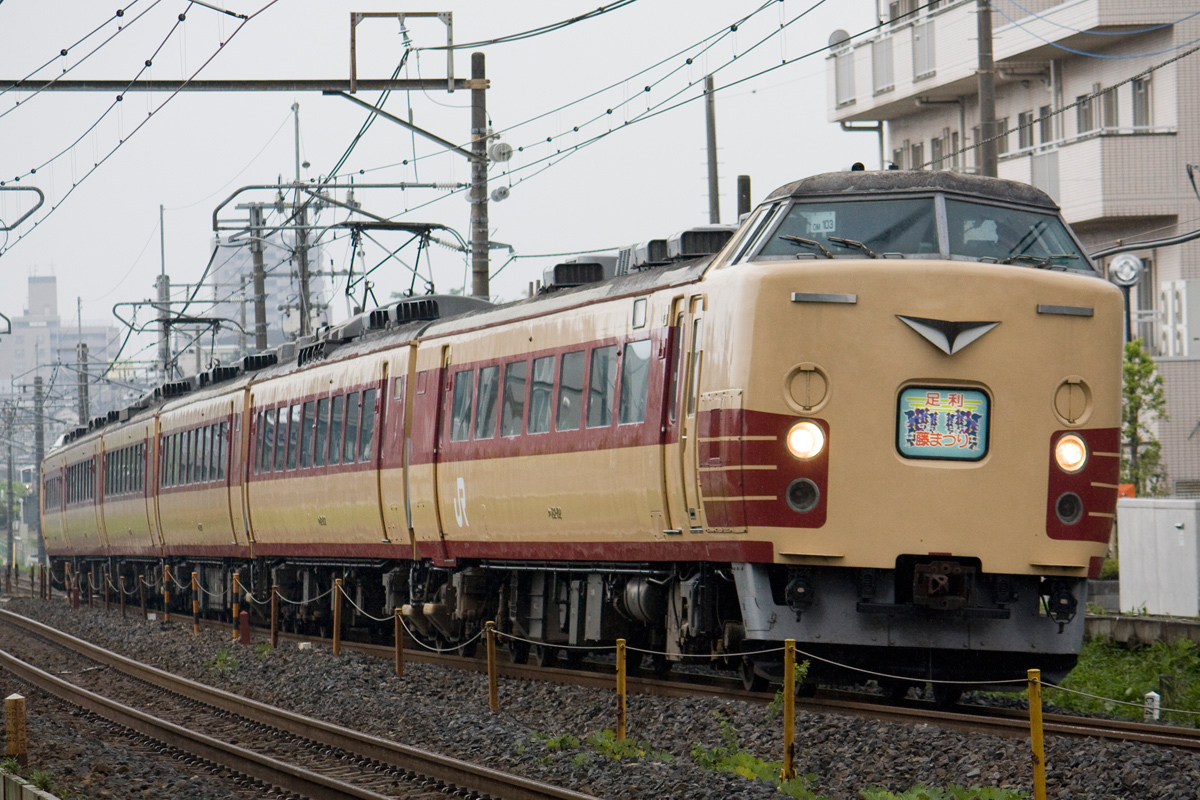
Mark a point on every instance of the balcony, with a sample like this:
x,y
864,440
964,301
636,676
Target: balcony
x,y
1102,175
934,54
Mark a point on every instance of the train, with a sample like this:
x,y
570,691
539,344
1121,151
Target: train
x,y
880,417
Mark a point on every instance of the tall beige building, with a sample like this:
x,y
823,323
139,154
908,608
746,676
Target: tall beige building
x,y
1101,103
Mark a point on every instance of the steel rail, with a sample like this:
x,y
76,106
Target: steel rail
x,y
979,719
444,768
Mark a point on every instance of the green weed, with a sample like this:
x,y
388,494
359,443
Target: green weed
x,y
41,779
10,765
729,757
222,663
775,707
1116,672
263,650
607,744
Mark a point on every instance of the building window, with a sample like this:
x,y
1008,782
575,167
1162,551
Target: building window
x,y
1024,130
1084,120
935,152
881,62
1111,119
916,154
1142,107
1147,291
955,151
898,157
924,64
1046,125
843,68
1002,134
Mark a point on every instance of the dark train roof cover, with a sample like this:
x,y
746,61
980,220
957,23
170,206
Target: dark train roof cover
x,y
904,181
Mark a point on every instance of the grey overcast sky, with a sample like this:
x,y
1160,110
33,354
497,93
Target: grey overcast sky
x,y
646,179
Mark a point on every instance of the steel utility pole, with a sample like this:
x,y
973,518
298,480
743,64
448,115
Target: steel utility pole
x,y
988,150
710,118
163,286
39,452
81,353
10,413
260,277
479,190
301,239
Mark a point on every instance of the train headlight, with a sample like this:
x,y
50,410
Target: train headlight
x,y
805,440
1071,453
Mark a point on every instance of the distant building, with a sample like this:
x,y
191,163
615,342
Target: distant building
x,y
41,343
1087,122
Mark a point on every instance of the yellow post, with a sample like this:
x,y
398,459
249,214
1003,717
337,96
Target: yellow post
x,y
166,593
493,687
275,615
620,689
237,591
195,603
337,617
399,644
14,729
788,772
1035,733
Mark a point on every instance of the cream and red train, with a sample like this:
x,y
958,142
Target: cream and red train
x,y
880,418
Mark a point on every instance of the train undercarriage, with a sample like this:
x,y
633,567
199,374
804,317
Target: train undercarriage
x,y
930,619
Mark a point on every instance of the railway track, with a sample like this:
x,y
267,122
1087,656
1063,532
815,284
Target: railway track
x,y
271,747
969,718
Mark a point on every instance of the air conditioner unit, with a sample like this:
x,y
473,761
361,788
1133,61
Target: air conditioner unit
x,y
1181,318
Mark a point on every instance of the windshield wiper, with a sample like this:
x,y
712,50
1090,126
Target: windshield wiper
x,y
809,242
1038,261
852,243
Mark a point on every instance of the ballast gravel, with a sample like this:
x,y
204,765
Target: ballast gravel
x,y
445,710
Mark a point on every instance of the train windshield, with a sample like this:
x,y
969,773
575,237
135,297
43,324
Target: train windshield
x,y
1010,235
854,227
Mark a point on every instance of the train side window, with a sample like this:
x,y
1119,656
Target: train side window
x,y
162,461
335,430
193,451
203,456
268,455
570,391
281,429
460,407
367,436
639,313
293,443
173,455
306,435
322,432
694,379
260,437
222,438
210,453
635,382
485,410
602,386
352,411
512,411
541,394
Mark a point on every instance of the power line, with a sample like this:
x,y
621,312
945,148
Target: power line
x,y
140,125
1104,33
549,28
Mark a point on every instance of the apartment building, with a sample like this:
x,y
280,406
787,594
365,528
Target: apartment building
x,y
1099,101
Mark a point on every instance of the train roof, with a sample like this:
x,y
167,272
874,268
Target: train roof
x,y
914,181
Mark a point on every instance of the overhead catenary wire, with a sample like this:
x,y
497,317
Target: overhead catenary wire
x,y
1074,51
1134,32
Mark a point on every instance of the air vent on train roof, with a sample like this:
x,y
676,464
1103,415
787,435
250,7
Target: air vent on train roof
x,y
260,361
642,256
97,422
575,273
114,415
176,388
219,374
415,309
702,241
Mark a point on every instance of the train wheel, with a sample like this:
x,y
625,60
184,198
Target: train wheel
x,y
544,655
518,651
751,680
946,695
468,650
806,689
895,691
575,659
659,665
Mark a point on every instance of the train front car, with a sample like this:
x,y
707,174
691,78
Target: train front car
x,y
928,425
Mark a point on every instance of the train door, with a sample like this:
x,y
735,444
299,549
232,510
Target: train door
x,y
397,444
440,413
147,483
681,475
228,433
246,435
154,475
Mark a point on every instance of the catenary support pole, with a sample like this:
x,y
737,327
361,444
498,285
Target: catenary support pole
x,y
710,127
743,189
479,190
988,147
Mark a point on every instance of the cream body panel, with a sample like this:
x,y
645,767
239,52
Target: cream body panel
x,y
128,518
198,514
881,504
291,509
54,531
